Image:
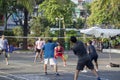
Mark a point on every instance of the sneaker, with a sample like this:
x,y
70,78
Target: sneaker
x,y
64,65
57,74
84,71
45,73
7,63
42,61
97,70
98,78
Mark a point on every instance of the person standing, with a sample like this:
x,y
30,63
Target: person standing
x,y
83,58
48,50
59,52
4,47
38,46
93,54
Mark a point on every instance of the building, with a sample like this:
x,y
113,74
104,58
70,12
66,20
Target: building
x,y
80,10
85,0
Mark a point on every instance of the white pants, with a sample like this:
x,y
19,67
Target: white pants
x,y
51,61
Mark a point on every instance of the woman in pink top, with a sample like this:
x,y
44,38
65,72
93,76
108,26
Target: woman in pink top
x,y
38,46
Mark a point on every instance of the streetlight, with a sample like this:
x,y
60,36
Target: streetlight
x,y
59,24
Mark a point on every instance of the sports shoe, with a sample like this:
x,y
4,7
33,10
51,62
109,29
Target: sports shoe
x,y
64,65
7,63
45,73
98,78
57,74
84,71
97,70
41,61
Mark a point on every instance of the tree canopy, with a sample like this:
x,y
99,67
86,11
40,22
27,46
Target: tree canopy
x,y
53,9
28,4
38,26
105,12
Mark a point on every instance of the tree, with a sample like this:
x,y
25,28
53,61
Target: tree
x,y
60,9
38,26
105,12
39,1
112,10
27,6
80,23
18,31
53,9
87,7
6,9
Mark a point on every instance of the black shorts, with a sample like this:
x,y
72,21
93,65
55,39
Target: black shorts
x,y
38,50
94,58
82,64
3,51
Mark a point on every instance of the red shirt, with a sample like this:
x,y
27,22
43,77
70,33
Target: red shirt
x,y
59,50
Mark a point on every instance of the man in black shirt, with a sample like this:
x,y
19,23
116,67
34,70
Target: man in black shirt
x,y
93,53
83,57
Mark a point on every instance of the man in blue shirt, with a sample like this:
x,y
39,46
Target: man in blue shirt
x,y
48,49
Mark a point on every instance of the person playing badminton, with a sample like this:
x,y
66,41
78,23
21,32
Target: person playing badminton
x,y
59,52
93,53
83,58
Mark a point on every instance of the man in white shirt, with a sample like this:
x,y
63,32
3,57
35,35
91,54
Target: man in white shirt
x,y
3,47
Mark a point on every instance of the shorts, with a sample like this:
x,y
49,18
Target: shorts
x,y
82,64
51,61
58,55
38,50
94,58
3,51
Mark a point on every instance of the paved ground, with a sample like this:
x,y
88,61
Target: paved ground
x,y
21,67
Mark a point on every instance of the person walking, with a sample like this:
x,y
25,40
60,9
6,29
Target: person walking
x,y
59,52
83,58
93,54
4,47
48,50
38,46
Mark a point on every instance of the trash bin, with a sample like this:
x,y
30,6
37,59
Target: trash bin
x,y
67,46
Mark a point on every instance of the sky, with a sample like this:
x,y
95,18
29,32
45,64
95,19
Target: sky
x,y
76,1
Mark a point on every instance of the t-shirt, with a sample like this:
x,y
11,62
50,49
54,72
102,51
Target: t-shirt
x,y
49,49
59,50
3,44
92,50
80,50
39,44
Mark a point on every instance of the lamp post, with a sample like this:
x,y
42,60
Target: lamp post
x,y
59,24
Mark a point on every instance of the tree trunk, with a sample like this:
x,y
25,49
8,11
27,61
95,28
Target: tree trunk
x,y
25,29
5,21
